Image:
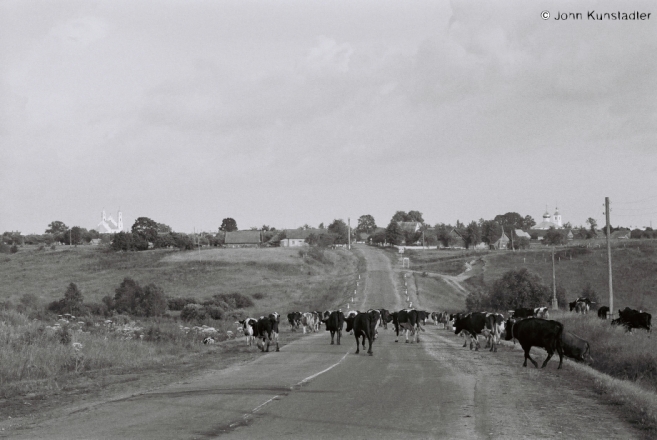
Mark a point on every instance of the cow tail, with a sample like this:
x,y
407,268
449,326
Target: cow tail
x,y
559,340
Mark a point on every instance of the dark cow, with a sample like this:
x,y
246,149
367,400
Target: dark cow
x,y
250,330
362,326
294,318
630,318
334,324
423,316
572,305
576,348
268,331
522,313
472,325
602,312
408,321
386,317
536,332
440,318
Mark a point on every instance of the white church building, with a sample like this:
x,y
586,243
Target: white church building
x,y
108,225
548,222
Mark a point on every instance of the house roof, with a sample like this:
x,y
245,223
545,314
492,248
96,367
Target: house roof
x,y
623,233
302,234
243,237
521,233
410,226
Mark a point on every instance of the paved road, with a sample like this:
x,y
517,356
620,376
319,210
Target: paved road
x,y
312,390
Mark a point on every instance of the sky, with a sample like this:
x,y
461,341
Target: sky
x,y
285,113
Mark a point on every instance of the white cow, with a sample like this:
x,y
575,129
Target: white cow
x,y
308,321
249,326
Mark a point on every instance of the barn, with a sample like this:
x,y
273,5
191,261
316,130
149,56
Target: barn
x,y
243,239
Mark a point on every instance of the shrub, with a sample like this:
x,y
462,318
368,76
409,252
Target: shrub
x,y
177,303
590,293
53,247
230,301
131,298
477,301
258,295
519,288
99,309
4,248
71,303
193,312
13,249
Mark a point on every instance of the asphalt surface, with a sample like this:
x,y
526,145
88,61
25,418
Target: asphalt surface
x,y
314,390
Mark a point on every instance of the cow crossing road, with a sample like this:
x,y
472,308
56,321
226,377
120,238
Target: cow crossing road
x,y
314,390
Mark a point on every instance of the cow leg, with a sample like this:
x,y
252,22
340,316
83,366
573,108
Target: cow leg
x,y
357,345
527,356
406,331
550,354
369,351
465,341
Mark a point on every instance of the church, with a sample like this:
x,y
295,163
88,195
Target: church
x,y
548,222
108,225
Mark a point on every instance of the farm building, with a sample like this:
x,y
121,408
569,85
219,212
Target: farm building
x,y
243,239
297,237
410,226
501,242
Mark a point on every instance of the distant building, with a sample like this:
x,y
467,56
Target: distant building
x,y
108,226
501,242
548,222
410,226
522,234
297,237
243,239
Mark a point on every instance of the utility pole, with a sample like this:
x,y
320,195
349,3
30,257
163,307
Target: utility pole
x,y
198,244
512,246
611,288
555,303
349,234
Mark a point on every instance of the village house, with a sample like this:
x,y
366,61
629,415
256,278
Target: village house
x,y
297,237
243,239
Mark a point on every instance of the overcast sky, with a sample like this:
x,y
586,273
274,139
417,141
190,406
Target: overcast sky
x,y
291,112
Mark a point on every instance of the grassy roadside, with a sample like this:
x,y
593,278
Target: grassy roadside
x,y
39,361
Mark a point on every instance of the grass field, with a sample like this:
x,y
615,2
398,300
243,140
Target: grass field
x,y
634,271
281,276
35,359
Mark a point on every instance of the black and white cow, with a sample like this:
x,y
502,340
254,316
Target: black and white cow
x,y
362,326
408,321
536,332
268,331
250,330
386,318
542,312
308,322
334,323
521,313
471,325
494,329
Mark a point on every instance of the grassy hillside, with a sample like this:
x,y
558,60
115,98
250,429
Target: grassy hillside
x,y
282,277
634,271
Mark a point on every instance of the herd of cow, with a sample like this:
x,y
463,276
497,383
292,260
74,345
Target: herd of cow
x,y
531,327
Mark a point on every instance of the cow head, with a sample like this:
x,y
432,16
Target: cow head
x,y
350,322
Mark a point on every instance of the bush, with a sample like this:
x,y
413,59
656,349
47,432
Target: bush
x,y
590,293
258,295
73,302
4,248
99,309
131,298
519,288
193,312
477,301
177,303
13,249
229,301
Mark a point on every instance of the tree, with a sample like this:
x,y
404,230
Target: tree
x,y
73,236
163,229
415,216
400,216
568,225
122,241
510,220
554,237
71,303
519,288
472,235
378,237
131,298
528,222
340,229
56,228
366,224
592,223
443,234
146,229
321,226
228,225
394,234
491,231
